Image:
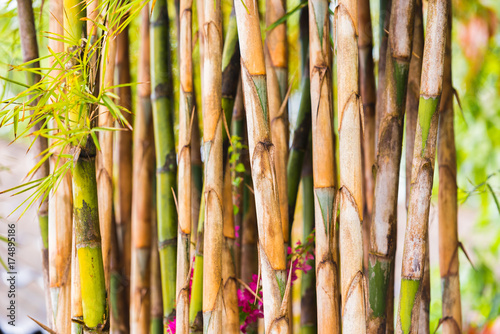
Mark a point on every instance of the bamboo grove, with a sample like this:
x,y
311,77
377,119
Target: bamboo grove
x,y
167,190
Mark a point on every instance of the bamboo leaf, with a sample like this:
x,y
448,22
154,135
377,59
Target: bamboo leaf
x,y
286,16
495,198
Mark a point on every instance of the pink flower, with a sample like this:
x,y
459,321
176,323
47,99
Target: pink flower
x,y
236,229
171,327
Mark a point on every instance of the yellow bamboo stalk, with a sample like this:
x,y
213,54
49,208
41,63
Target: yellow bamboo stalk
x,y
212,137
76,294
351,174
324,167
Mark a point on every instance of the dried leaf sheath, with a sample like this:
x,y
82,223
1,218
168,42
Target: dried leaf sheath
x,y
423,168
166,166
142,201
324,167
391,127
212,137
262,157
448,234
186,109
351,175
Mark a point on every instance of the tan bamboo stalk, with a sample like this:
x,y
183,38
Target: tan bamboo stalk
x,y
76,293
142,201
156,311
351,175
423,168
104,158
384,19
230,311
60,235
368,97
324,167
186,108
277,84
200,12
123,151
391,128
60,217
212,138
271,244
448,234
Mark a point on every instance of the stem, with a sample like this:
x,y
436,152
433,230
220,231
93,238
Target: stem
x,y
324,168
166,169
423,168
448,234
271,242
142,201
196,306
156,315
391,128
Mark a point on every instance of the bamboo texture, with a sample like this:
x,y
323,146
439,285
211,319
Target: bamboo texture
x,y
262,160
351,195
423,168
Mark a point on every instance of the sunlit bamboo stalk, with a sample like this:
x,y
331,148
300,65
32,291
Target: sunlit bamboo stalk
x,y
351,175
391,128
156,315
448,234
196,302
186,108
166,166
324,166
212,142
265,186
423,168
142,201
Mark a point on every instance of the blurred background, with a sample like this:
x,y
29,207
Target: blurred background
x,y
476,78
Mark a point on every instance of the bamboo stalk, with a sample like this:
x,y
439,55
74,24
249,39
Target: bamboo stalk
x,y
324,167
302,126
123,152
212,142
118,303
249,234
104,158
423,168
368,97
271,242
391,128
166,169
384,20
277,83
29,48
156,317
230,311
448,233
308,313
142,202
186,108
196,302
76,290
351,194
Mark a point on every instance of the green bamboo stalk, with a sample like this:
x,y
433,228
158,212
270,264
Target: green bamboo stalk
x,y
76,290
29,46
156,317
308,316
391,127
271,241
324,166
448,234
186,108
196,303
423,168
302,127
166,168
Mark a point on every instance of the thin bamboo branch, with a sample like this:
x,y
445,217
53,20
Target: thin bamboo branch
x,y
351,175
448,234
212,138
423,168
262,158
142,201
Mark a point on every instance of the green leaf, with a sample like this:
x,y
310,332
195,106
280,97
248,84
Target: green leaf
x,y
495,198
240,168
286,16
